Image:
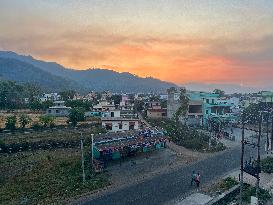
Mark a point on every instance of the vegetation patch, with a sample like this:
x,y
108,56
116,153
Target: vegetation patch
x,y
267,165
45,177
188,137
249,191
223,186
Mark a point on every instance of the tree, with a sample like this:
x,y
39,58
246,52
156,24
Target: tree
x,y
116,99
76,115
35,105
46,120
11,122
252,112
221,93
67,95
24,120
184,105
139,105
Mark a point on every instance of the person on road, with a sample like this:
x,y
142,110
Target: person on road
x,y
197,179
193,177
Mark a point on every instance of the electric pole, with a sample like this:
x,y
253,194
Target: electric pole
x,y
92,149
258,157
83,172
242,160
267,132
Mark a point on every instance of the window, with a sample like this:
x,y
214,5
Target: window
x,y
195,108
57,111
120,126
108,126
212,101
207,100
49,111
207,112
112,114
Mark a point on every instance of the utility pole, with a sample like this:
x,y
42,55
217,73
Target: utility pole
x,y
83,172
258,157
271,132
267,132
242,160
92,149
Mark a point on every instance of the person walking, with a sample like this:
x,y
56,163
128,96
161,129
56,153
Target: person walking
x,y
193,177
197,180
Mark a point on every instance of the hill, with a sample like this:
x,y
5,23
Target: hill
x,y
90,79
22,72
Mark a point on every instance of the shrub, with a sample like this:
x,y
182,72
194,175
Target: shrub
x,y
11,122
24,120
228,183
46,120
267,165
249,191
36,126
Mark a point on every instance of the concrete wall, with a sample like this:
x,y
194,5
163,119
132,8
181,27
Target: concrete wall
x,y
172,104
58,112
116,125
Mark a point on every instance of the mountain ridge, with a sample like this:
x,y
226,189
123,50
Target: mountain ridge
x,y
94,78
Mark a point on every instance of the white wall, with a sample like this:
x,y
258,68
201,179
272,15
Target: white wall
x,y
125,125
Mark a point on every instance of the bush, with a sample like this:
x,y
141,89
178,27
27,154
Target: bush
x,y
47,120
267,165
24,120
36,126
228,183
249,191
11,122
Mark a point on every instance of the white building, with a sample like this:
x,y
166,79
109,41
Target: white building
x,y
114,122
104,106
50,96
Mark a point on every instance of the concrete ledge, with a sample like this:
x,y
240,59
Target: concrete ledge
x,y
220,199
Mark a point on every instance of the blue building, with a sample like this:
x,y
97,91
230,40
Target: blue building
x,y
202,107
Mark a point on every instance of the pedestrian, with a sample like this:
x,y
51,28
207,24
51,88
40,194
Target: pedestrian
x,y
197,179
193,177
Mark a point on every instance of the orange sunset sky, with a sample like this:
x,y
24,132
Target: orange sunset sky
x,y
206,41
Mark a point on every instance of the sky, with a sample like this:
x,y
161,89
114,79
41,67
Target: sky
x,y
181,41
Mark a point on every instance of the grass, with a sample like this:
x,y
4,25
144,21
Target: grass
x,y
55,134
248,191
45,177
223,185
267,165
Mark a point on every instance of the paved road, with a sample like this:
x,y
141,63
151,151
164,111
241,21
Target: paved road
x,y
166,187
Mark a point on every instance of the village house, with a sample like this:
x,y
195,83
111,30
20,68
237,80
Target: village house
x,y
50,97
104,106
90,96
156,111
114,122
58,110
106,95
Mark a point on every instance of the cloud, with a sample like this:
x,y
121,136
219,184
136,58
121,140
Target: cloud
x,y
178,59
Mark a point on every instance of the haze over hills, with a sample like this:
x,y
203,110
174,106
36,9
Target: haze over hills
x,y
228,88
52,76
